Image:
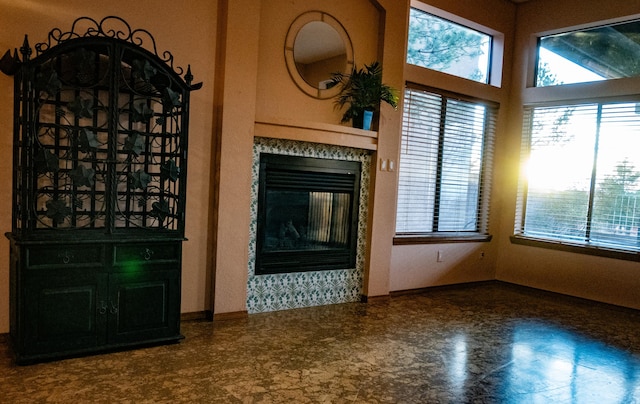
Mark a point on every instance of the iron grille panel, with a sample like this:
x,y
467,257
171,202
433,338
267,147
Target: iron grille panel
x,y
103,122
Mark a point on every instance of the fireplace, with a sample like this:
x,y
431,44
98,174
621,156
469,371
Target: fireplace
x,y
305,287
307,214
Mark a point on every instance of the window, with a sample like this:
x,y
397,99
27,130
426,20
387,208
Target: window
x,y
601,53
445,46
445,164
582,180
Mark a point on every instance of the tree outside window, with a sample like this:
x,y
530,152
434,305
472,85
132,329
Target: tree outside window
x,y
445,46
582,184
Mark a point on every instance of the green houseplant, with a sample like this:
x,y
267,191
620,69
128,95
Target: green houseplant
x,y
363,90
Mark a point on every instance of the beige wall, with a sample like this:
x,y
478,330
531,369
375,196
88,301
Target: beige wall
x,y
416,266
277,95
237,105
187,29
608,280
257,87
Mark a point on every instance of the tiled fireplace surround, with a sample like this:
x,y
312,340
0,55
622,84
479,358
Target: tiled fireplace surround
x,y
305,289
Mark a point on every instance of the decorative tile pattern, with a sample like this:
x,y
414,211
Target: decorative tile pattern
x,y
305,289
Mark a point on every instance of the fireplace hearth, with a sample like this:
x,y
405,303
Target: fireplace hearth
x,y
307,214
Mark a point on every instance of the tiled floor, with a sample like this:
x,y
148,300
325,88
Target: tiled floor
x,y
488,343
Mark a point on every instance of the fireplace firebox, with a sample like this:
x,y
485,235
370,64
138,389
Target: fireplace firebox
x,y
307,214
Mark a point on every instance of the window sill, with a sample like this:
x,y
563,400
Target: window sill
x,y
576,248
440,238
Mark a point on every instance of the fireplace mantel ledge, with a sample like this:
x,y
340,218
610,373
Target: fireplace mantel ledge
x,y
317,132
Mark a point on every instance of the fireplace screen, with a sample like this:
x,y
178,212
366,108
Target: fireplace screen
x,y
307,214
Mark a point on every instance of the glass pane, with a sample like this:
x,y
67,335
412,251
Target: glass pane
x,y
461,163
559,171
601,53
617,203
301,220
442,45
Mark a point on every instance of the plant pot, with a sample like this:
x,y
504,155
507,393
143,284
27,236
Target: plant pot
x,y
363,120
367,117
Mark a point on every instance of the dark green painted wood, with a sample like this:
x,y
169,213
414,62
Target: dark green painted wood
x,y
99,188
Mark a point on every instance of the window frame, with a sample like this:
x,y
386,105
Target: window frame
x,y
564,244
496,58
485,177
532,68
577,29
489,65
616,90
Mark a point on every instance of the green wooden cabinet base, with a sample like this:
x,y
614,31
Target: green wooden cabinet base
x,y
112,296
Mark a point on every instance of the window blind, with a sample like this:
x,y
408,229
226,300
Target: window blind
x,y
580,181
445,163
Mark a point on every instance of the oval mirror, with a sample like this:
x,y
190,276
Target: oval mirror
x,y
317,46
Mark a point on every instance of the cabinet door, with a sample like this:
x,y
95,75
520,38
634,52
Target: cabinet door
x,y
63,312
145,306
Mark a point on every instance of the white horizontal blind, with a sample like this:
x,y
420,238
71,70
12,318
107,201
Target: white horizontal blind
x,y
581,181
418,167
445,164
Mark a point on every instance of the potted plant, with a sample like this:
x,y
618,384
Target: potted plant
x,y
362,91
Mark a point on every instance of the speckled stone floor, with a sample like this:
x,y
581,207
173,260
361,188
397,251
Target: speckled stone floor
x,y
486,343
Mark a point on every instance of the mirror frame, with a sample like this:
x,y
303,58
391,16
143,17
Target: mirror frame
x,y
295,27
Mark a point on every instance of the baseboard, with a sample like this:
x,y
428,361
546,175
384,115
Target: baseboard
x,y
574,299
374,299
208,315
231,316
195,315
418,291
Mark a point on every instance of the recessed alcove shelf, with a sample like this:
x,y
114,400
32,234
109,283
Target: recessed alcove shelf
x,y
317,132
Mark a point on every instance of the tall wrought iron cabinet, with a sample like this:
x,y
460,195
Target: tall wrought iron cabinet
x,y
99,184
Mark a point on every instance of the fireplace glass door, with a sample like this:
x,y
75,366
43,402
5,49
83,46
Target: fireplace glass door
x,y
307,214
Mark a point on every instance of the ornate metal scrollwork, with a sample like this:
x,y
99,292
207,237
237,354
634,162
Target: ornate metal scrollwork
x,y
110,27
102,120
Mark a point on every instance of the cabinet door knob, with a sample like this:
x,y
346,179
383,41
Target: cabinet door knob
x,y
66,256
102,310
147,253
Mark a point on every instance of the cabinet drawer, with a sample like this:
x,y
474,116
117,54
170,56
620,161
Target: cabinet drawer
x,y
135,254
64,256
